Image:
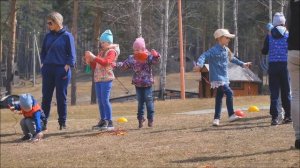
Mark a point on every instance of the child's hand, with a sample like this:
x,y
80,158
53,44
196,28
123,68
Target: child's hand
x,y
89,56
154,53
197,68
247,64
12,108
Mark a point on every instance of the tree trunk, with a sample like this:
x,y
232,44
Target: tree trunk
x,y
11,55
223,13
139,18
74,32
219,14
161,84
270,11
165,50
1,47
236,40
96,50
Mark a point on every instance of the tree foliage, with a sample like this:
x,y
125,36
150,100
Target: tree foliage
x,y
200,20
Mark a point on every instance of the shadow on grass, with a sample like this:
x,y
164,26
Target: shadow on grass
x,y
220,128
8,134
66,133
13,141
169,130
255,118
215,158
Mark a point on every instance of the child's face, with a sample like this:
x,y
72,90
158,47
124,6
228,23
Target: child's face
x,y
104,45
137,51
224,41
26,109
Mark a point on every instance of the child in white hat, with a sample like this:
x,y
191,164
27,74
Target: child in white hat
x,y
219,56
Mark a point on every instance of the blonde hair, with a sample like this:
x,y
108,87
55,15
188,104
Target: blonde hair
x,y
229,53
56,17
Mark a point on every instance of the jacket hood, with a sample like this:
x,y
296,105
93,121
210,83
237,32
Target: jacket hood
x,y
278,32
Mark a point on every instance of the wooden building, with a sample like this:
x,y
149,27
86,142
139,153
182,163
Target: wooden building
x,y
243,81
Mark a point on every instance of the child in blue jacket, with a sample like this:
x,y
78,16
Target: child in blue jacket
x,y
218,57
32,123
276,46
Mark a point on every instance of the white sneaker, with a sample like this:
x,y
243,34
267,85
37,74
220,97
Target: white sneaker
x,y
216,122
233,117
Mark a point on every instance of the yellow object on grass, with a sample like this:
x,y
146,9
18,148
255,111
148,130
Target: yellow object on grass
x,y
253,109
122,120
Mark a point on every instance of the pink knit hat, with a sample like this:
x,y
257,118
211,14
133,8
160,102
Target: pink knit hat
x,y
139,44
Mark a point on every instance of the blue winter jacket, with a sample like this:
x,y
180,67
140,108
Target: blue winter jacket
x,y
218,59
59,52
276,45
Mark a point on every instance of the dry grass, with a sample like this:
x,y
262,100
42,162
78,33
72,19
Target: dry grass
x,y
176,140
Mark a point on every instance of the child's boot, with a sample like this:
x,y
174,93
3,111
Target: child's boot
x,y
150,122
141,122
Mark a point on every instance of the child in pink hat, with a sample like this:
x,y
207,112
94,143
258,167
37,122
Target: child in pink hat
x,y
141,63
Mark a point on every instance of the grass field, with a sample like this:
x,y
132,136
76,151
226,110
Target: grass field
x,y
176,140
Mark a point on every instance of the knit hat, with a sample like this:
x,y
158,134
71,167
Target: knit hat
x,y
139,44
278,19
223,32
106,36
57,18
26,101
269,26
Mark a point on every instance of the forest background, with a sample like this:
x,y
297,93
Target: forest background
x,y
23,27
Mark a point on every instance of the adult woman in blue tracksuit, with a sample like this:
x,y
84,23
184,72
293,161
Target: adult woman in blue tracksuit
x,y
57,56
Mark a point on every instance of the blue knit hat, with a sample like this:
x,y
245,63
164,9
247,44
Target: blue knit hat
x,y
106,36
26,101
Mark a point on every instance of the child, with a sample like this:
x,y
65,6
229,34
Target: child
x,y
103,65
219,56
276,46
141,63
32,123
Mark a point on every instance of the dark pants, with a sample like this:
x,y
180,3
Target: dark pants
x,y
225,89
55,77
144,96
279,81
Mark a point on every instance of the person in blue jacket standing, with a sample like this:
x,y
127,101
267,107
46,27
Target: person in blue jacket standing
x,y
276,46
57,56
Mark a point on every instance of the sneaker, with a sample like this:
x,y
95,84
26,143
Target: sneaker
x,y
274,122
216,122
141,122
286,120
62,126
104,125
110,126
233,117
150,123
26,137
297,144
99,125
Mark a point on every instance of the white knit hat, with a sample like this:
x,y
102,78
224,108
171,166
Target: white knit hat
x,y
278,19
